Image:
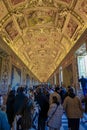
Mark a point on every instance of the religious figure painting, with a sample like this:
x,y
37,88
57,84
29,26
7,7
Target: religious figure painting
x,y
3,10
11,30
61,21
81,9
71,27
84,6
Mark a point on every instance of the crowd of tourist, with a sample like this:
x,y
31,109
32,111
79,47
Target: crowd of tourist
x,y
40,106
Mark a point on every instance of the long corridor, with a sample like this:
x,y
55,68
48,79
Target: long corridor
x,y
43,64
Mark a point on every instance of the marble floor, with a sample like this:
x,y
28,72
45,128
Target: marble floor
x,y
83,124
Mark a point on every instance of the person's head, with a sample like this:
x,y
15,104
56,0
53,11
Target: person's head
x,y
3,108
57,89
55,100
68,87
38,90
82,76
20,90
11,94
71,92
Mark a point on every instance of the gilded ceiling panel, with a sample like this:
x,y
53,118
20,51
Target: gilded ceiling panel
x,y
14,2
41,17
18,44
11,30
42,32
67,1
21,22
71,27
64,1
3,10
66,43
81,9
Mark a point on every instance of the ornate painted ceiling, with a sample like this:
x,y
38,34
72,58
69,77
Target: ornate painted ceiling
x,y
42,32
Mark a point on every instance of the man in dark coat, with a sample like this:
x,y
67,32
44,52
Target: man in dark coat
x,y
19,104
10,107
43,102
20,101
83,82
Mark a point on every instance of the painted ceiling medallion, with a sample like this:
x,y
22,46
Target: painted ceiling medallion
x,y
42,32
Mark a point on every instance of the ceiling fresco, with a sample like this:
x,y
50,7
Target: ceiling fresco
x,y
42,32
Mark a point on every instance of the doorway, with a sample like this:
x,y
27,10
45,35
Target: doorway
x,y
81,64
82,61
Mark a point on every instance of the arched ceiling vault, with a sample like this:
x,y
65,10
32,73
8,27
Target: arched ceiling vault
x,y
42,32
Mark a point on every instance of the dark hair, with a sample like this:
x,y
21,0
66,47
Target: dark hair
x,y
20,89
57,88
55,100
71,90
71,93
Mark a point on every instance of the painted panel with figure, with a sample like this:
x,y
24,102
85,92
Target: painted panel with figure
x,y
15,77
11,30
3,10
40,17
71,27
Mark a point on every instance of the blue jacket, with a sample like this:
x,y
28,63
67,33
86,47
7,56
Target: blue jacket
x,y
4,125
83,82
